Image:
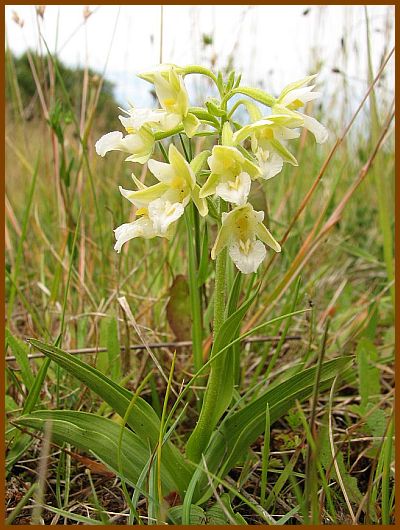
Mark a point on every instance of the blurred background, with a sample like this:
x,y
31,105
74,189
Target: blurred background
x,y
69,68
270,45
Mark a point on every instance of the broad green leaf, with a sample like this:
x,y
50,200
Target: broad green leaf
x,y
99,436
218,515
21,443
215,515
102,363
142,419
240,429
34,392
109,362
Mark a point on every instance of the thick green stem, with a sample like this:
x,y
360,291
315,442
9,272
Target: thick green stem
x,y
201,435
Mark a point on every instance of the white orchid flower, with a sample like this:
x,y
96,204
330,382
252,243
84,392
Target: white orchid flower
x,y
268,136
270,162
171,92
138,143
296,95
239,232
156,221
235,191
138,118
164,213
177,185
231,175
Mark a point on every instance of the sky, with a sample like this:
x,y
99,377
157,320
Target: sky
x,y
271,45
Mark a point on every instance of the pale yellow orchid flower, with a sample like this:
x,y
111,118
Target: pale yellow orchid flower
x,y
296,95
176,186
239,232
138,143
231,174
267,141
158,220
172,94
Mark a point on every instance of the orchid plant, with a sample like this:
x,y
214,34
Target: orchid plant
x,y
223,185
211,188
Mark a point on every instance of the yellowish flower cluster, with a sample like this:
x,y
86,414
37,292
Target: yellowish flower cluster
x,y
231,169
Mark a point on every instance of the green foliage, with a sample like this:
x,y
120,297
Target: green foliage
x,y
99,436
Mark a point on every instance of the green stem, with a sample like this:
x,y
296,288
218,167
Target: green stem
x,y
235,107
184,148
256,94
203,430
204,116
